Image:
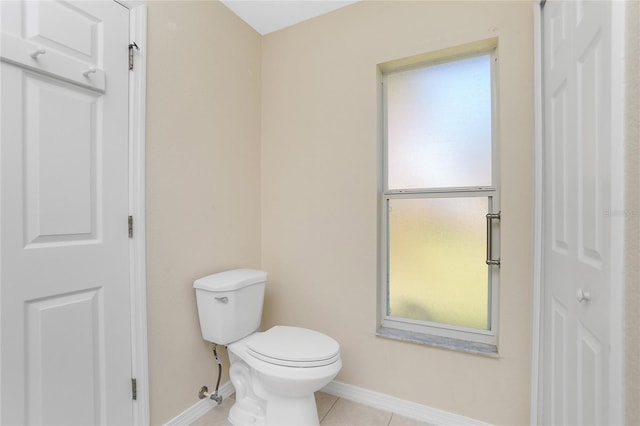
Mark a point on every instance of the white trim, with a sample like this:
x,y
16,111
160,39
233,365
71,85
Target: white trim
x,y
201,407
536,296
137,209
131,4
616,308
398,406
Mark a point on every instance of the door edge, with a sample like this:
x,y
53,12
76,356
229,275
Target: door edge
x,y
137,210
536,310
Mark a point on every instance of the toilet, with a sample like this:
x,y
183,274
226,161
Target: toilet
x,y
276,372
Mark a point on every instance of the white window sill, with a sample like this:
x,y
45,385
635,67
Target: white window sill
x,y
483,349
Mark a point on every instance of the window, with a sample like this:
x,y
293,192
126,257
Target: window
x,y
439,176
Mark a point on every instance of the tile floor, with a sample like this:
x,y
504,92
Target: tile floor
x,y
332,411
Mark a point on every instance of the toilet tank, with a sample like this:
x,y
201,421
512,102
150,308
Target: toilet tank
x,y
230,304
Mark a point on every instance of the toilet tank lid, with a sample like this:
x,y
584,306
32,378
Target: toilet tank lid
x,y
230,280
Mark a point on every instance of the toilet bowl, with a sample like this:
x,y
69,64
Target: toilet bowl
x,y
283,367
275,373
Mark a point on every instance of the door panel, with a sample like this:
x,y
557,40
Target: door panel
x,y
558,156
577,254
80,36
590,386
559,366
61,156
66,358
65,313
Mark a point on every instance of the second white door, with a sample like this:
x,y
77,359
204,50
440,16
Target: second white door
x,y
579,241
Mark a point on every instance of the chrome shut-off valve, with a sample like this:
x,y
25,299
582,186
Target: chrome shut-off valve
x,y
204,393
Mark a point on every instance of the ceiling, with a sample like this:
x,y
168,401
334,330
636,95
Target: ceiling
x,y
266,16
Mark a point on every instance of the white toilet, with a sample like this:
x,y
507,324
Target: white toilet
x,y
276,372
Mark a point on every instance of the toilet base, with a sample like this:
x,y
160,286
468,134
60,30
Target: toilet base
x,y
279,411
246,412
292,411
248,409
256,406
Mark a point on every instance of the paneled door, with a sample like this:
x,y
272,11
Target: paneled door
x,y
64,257
579,240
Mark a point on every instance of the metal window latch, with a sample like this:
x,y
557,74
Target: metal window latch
x,y
490,218
132,46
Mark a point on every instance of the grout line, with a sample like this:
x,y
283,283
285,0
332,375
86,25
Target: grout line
x,y
328,411
390,418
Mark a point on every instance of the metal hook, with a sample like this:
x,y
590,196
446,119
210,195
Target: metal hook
x,y
37,52
91,70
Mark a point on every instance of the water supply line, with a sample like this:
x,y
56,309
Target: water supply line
x,y
204,391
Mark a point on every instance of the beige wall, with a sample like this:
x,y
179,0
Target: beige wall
x,y
317,99
203,161
319,211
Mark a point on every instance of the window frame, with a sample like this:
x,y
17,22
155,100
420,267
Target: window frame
x,y
428,332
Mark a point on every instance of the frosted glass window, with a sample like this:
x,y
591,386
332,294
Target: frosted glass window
x,y
437,188
437,269
439,125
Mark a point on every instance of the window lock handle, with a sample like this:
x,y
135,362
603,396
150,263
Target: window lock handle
x,y
490,218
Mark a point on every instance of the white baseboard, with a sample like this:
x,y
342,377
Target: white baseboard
x,y
200,408
371,398
399,406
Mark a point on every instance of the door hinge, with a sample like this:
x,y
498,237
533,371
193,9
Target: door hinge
x,y
134,389
130,221
132,46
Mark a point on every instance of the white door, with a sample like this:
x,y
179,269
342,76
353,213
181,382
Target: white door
x,y
579,245
64,256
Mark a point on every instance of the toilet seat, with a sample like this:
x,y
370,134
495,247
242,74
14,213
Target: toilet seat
x,y
294,347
